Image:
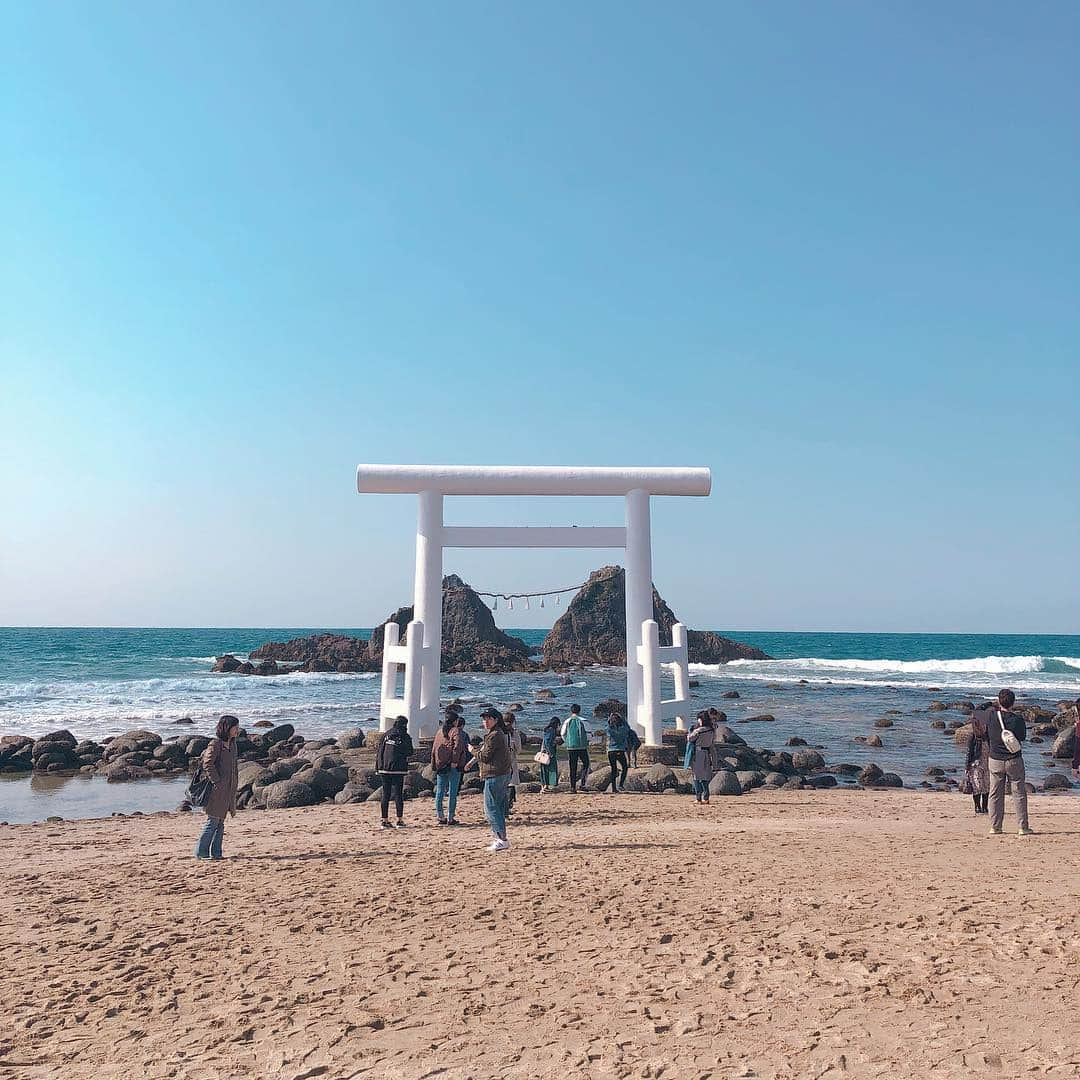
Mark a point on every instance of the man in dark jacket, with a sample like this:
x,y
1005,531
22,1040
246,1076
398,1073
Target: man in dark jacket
x,y
1007,762
393,749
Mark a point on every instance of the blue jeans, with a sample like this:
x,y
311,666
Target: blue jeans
x,y
209,845
701,788
450,780
497,803
689,755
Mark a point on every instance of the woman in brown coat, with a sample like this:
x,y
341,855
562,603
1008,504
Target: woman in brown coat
x,y
219,763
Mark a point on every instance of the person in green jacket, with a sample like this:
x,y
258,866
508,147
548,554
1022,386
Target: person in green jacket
x,y
575,736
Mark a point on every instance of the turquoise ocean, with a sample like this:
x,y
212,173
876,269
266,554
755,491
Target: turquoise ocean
x,y
824,687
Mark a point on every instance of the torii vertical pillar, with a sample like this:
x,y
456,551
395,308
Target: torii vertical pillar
x,y
427,606
639,607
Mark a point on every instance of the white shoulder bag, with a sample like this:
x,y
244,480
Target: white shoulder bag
x,y
1008,739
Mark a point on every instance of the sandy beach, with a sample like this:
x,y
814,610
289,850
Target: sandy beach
x,y
784,934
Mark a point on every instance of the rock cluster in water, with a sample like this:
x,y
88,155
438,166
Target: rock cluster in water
x,y
592,630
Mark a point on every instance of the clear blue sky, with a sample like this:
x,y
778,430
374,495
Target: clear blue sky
x,y
830,250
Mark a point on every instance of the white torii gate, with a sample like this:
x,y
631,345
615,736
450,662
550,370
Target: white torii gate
x,y
421,654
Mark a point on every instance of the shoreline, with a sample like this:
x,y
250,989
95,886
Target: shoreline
x,y
308,770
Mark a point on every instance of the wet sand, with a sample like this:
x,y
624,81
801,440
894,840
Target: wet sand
x,y
793,934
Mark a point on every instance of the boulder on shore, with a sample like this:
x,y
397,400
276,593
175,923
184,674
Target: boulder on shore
x,y
286,794
725,782
1064,744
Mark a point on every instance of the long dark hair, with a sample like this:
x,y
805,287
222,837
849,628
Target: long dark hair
x,y
224,726
449,723
706,720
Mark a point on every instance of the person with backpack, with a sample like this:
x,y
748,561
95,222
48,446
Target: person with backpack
x,y
702,739
1006,732
549,746
393,749
449,756
495,769
688,753
618,739
575,736
633,744
220,762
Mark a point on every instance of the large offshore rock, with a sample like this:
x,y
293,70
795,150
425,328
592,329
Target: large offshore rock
x,y
592,630
470,641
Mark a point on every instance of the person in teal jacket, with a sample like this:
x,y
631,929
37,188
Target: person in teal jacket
x,y
575,736
618,741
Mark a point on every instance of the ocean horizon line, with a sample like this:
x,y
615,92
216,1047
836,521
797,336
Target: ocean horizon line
x,y
330,628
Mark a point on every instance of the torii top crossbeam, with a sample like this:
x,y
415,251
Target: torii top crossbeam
x,y
529,480
431,483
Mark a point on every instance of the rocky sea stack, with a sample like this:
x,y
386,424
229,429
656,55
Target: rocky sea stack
x,y
470,642
592,630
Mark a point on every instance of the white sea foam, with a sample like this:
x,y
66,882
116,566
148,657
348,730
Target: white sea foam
x,y
993,665
1049,674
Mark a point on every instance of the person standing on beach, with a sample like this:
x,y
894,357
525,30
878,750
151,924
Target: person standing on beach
x,y
513,737
393,749
495,768
633,744
618,732
688,754
449,755
977,776
1006,733
576,737
1076,742
702,739
549,744
220,764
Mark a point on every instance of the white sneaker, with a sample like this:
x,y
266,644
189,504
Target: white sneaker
x,y
499,845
